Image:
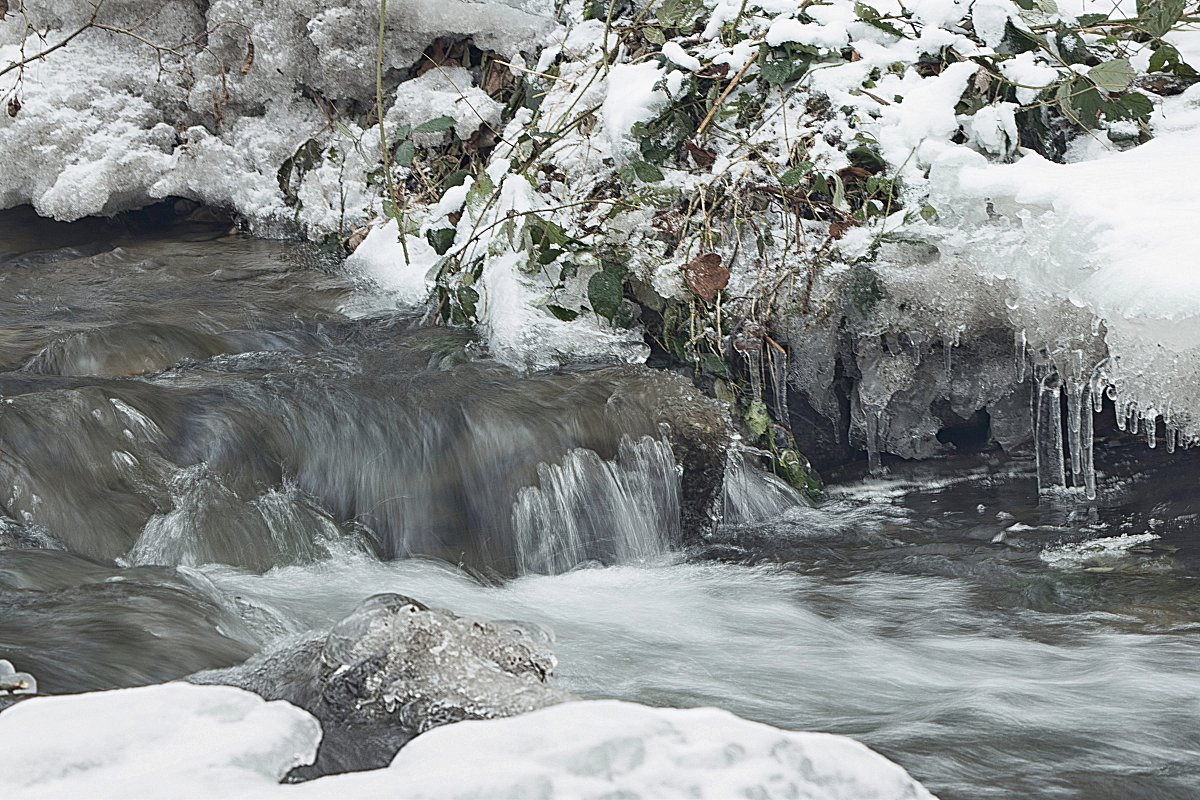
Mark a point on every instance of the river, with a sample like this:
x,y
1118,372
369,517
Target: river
x,y
211,444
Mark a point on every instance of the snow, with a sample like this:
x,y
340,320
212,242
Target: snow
x,y
784,31
382,258
219,741
680,57
444,91
631,98
133,743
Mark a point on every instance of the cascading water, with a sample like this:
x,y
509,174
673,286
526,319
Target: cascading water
x,y
587,509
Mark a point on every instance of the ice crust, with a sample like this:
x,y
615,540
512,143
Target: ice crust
x,y
218,741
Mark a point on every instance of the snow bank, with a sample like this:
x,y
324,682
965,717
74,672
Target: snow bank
x,y
106,124
217,741
132,743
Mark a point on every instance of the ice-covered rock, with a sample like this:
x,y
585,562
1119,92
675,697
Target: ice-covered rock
x,y
222,741
393,669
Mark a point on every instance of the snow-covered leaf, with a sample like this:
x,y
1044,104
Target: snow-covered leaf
x,y
1113,76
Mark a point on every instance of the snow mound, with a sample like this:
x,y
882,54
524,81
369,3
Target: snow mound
x,y
224,742
136,742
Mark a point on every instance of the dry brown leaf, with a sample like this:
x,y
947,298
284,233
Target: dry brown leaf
x,y
853,173
14,105
838,229
705,276
703,157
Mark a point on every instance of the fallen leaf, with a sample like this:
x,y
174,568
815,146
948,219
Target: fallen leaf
x,y
853,173
14,105
838,229
705,276
703,157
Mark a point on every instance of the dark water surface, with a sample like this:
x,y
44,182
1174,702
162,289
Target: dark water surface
x,y
209,444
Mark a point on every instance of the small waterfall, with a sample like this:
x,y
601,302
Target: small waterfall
x,y
588,509
753,495
210,524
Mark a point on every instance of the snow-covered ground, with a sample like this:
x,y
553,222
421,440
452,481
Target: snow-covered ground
x,y
216,741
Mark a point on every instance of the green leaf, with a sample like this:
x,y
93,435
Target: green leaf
x,y
468,299
480,192
678,14
796,174
436,125
1162,15
1113,76
1087,20
1130,106
646,172
867,158
604,293
440,240
757,419
871,16
654,36
564,314
1071,46
1080,102
405,153
390,209
778,69
1167,59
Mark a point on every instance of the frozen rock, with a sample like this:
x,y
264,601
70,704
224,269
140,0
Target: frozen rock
x,y
394,669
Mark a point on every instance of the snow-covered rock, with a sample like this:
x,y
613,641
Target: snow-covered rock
x,y
217,741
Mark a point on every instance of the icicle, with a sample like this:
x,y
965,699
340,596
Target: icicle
x,y
1019,345
873,418
1133,419
1151,423
779,363
1047,428
754,366
1097,392
1074,391
947,355
1087,449
1170,440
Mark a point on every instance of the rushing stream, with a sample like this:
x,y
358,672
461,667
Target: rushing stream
x,y
210,445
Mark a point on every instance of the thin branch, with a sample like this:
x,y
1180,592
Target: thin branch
x,y
91,23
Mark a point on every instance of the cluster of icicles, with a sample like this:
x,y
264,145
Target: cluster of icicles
x,y
1085,391
1063,447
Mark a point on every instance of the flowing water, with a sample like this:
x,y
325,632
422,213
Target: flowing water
x,y
210,444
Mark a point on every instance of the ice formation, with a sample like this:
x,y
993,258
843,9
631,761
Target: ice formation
x,y
13,682
222,741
